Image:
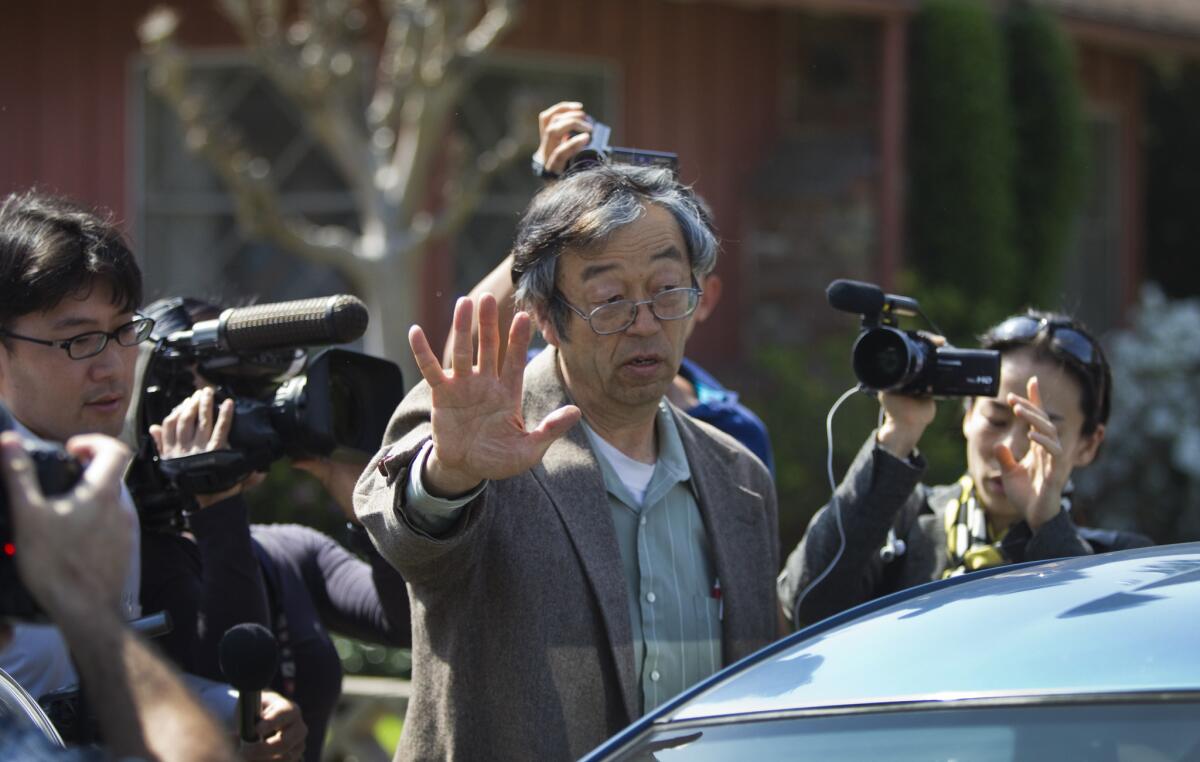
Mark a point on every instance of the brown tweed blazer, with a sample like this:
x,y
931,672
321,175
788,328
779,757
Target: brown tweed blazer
x,y
522,647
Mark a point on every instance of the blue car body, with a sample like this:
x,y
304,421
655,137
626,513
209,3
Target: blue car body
x,y
1108,629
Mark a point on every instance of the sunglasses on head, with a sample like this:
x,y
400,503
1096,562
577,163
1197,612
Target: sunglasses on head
x,y
1064,337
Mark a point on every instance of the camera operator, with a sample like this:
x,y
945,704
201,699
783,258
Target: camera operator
x,y
564,130
70,290
1012,504
73,553
296,581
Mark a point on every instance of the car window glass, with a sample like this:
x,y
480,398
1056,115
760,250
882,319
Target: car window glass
x,y
1141,732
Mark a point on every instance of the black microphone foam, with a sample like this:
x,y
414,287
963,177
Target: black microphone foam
x,y
248,656
855,296
307,322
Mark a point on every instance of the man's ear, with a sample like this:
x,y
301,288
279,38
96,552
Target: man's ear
x,y
1088,446
546,326
708,300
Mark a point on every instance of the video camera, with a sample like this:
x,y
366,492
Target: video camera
x,y
598,151
57,473
287,402
907,362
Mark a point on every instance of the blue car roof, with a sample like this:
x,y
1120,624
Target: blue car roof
x,y
1118,622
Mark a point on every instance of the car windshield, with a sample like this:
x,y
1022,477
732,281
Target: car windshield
x,y
1151,731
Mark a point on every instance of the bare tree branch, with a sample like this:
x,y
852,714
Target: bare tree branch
x,y
471,186
500,16
247,177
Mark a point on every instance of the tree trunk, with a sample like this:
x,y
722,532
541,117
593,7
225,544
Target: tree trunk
x,y
392,294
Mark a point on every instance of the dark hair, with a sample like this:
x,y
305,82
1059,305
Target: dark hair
x,y
580,212
1094,378
51,248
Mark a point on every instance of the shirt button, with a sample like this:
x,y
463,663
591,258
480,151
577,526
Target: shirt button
x,y
654,675
642,521
651,597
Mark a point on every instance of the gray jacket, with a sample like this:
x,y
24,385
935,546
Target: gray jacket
x,y
522,646
878,493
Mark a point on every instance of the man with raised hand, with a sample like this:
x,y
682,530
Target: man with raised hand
x,y
567,578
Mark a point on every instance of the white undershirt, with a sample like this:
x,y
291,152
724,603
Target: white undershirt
x,y
634,474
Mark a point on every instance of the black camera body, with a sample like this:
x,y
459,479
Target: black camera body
x,y
888,359
289,401
57,473
598,151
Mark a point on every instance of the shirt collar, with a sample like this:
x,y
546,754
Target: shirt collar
x,y
670,466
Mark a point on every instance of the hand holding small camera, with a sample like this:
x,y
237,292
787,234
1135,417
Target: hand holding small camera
x,y
564,130
905,417
72,550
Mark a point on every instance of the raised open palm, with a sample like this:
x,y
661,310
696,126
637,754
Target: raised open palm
x,y
1035,483
478,430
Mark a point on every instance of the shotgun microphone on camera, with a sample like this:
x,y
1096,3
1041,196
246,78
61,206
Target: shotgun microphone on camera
x,y
336,319
248,656
867,299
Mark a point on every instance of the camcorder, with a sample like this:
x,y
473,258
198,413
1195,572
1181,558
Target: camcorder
x,y
888,359
57,473
289,400
598,151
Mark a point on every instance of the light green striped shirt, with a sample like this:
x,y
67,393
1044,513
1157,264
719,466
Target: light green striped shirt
x,y
665,553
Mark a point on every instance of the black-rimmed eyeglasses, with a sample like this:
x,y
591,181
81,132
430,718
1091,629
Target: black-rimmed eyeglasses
x,y
615,317
92,343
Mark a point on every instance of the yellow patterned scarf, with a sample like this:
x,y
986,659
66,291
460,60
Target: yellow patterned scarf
x,y
970,542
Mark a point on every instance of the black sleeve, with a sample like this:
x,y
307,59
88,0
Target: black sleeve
x,y
367,601
171,580
232,591
876,488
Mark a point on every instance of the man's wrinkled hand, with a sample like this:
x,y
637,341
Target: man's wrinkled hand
x,y
478,429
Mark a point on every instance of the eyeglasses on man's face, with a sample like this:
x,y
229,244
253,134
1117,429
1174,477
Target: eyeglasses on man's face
x,y
615,317
92,343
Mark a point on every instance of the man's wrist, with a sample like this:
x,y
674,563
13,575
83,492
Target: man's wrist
x,y
442,481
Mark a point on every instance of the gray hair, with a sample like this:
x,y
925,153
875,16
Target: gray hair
x,y
580,212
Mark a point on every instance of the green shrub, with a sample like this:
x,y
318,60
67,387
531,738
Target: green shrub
x,y
1051,149
1147,476
961,151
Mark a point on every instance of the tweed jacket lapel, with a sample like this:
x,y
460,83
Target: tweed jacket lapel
x,y
572,480
729,511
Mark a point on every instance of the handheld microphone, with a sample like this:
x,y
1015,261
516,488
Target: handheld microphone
x,y
248,657
337,319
